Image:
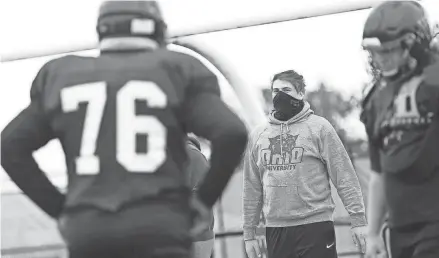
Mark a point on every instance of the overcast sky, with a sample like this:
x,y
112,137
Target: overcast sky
x,y
322,49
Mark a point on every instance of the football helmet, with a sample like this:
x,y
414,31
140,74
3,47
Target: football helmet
x,y
401,27
131,18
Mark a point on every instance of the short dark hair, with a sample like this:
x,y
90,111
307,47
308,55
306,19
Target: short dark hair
x,y
292,77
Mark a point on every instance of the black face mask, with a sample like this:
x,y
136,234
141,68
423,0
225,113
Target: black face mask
x,y
286,106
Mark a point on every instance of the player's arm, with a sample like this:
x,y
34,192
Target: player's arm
x,y
376,202
26,133
376,199
207,116
252,192
343,175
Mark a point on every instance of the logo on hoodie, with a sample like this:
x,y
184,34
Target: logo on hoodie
x,y
282,153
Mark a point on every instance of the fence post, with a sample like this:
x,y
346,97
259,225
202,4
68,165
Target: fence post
x,y
243,249
221,228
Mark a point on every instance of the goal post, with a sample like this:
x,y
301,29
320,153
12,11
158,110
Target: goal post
x,y
252,106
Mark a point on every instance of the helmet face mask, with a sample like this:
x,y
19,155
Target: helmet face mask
x,y
390,56
389,61
397,34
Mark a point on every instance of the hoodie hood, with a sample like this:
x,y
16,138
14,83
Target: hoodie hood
x,y
301,116
284,125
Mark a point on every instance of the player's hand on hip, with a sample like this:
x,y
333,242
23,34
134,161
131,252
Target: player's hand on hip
x,y
375,247
252,248
359,237
203,219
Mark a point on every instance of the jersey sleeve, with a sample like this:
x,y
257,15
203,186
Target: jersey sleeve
x,y
202,80
208,116
26,133
203,100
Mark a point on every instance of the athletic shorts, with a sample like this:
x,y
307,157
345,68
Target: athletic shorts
x,y
313,240
419,240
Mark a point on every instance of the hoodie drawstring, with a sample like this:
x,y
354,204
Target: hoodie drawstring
x,y
282,125
281,134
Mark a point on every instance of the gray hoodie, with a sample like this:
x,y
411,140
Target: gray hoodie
x,y
287,168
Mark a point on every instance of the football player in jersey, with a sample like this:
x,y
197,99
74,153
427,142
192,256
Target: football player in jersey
x,y
122,120
401,116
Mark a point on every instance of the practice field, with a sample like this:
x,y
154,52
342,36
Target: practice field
x,y
25,227
232,207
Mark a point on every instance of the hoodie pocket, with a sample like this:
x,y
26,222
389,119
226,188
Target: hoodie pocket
x,y
281,197
314,188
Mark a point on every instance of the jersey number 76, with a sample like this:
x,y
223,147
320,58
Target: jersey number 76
x,y
127,122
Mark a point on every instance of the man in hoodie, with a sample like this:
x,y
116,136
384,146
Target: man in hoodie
x,y
122,119
287,168
197,169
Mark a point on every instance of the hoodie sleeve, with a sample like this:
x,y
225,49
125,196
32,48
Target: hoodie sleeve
x,y
342,174
252,196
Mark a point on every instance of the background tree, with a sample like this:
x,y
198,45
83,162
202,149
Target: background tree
x,y
334,107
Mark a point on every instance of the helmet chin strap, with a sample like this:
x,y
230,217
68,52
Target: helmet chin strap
x,y
390,73
409,66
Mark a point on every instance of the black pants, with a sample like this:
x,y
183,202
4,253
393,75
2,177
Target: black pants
x,y
149,230
316,240
415,241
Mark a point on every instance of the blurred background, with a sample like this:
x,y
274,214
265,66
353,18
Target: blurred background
x,y
326,50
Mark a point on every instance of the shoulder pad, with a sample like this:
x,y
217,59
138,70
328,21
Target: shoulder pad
x,y
366,104
368,94
40,79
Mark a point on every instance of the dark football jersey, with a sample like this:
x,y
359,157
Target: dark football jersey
x,y
404,125
400,116
401,120
119,118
